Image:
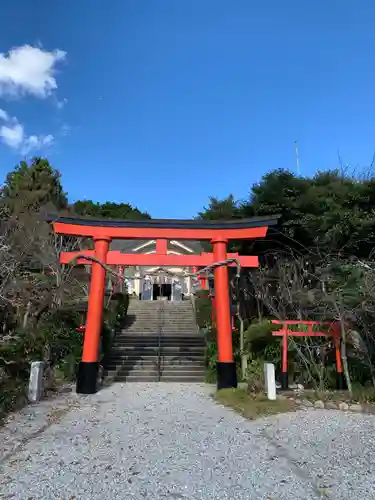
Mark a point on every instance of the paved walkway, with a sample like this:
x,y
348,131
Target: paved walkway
x,y
170,441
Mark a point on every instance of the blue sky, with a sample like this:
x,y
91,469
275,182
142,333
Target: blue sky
x,y
162,103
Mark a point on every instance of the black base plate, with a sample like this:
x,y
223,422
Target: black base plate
x,y
284,381
226,375
87,378
340,382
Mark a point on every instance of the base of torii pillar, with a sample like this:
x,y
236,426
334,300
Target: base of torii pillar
x,y
226,370
87,377
226,375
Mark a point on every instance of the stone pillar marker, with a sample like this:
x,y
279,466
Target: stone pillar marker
x,y
269,381
36,381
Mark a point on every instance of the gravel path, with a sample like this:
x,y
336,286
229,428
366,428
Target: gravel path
x,y
170,441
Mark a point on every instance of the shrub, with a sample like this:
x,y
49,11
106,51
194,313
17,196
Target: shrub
x,y
203,306
56,342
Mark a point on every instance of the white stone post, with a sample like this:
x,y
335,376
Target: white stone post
x,y
36,381
269,380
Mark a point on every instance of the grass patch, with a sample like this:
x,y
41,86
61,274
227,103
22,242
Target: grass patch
x,y
253,406
362,395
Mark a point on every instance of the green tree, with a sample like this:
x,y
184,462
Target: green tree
x,y
108,210
329,212
227,208
31,186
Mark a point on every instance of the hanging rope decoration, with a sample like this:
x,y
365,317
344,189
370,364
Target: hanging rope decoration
x,y
235,283
206,270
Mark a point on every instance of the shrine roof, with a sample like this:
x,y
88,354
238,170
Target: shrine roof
x,y
255,227
252,222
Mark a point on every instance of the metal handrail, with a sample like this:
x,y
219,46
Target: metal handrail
x,y
194,306
160,326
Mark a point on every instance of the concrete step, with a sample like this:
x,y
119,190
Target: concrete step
x,y
180,350
182,378
163,337
165,319
111,368
155,314
171,359
154,346
183,373
151,378
135,378
177,344
177,331
118,358
151,362
142,377
183,366
179,380
123,354
125,334
158,335
152,333
145,342
167,359
141,317
155,303
166,310
139,365
135,373
154,350
178,325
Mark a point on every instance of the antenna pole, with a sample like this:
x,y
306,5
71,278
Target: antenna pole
x,y
297,158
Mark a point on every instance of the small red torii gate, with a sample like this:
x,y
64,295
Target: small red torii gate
x,y
334,330
103,231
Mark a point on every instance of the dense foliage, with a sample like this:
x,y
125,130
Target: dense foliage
x,y
108,210
316,265
41,302
33,186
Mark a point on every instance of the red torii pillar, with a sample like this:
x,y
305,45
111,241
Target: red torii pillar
x,y
88,368
226,366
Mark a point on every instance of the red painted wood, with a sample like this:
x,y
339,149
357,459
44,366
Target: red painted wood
x,y
308,333
222,308
284,366
91,342
291,333
117,258
335,332
149,233
161,246
295,322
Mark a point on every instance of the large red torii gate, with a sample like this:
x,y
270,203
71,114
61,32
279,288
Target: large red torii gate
x,y
104,230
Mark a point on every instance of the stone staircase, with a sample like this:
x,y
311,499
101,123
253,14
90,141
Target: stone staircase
x,y
160,342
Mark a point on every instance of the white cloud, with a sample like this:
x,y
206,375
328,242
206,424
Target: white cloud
x,y
35,142
3,115
12,134
61,104
29,70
